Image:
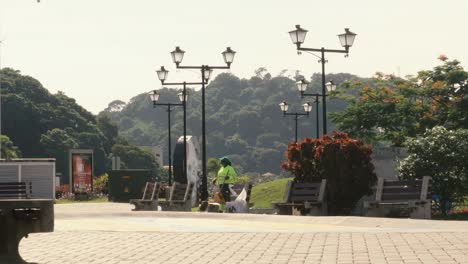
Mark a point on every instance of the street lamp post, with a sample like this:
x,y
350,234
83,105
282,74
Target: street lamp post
x,y
302,86
154,96
162,75
206,70
284,108
346,39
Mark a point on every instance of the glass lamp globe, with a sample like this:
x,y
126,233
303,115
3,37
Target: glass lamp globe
x,y
181,97
347,38
207,73
162,74
298,35
228,55
177,55
154,96
307,107
284,106
330,86
302,85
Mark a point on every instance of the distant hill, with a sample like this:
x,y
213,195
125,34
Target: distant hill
x,y
244,120
42,124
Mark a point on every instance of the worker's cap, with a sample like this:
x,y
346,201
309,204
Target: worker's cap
x,y
225,160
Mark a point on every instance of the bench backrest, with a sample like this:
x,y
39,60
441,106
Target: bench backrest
x,y
403,190
15,190
305,192
181,191
151,191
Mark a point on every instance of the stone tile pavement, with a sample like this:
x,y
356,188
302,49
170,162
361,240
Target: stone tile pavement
x,y
110,233
162,247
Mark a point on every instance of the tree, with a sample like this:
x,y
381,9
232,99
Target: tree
x,y
212,167
392,109
133,157
30,111
443,155
115,106
236,145
266,139
57,143
265,158
42,124
126,123
245,119
24,128
260,72
9,150
109,130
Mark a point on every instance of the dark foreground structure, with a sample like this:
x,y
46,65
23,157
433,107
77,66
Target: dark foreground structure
x,y
21,215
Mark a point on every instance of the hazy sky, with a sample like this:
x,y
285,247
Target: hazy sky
x,y
100,50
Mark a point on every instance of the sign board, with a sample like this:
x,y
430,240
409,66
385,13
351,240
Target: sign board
x,y
125,185
81,170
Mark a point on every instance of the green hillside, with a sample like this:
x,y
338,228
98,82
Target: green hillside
x,y
243,119
263,194
37,123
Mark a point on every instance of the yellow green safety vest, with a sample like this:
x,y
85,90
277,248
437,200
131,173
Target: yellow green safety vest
x,y
227,171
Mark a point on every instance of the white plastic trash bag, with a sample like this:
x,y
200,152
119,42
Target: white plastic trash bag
x,y
232,190
239,205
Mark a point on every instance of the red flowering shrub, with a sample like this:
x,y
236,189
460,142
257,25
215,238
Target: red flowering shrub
x,y
344,162
62,191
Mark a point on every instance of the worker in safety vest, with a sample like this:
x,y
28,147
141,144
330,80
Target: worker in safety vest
x,y
227,176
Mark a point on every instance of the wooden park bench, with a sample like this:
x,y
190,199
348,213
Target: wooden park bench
x,y
21,215
303,199
180,198
393,197
149,200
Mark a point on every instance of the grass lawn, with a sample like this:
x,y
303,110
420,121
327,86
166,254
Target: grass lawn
x,y
68,201
263,194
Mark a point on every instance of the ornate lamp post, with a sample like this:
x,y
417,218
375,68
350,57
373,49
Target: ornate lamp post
x,y
302,86
154,96
284,108
346,39
206,70
162,75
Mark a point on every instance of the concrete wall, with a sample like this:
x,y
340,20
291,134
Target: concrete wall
x,y
385,160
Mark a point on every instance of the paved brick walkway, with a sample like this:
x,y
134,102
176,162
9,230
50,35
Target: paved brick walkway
x,y
125,237
158,247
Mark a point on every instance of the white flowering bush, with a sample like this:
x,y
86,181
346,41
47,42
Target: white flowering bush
x,y
443,155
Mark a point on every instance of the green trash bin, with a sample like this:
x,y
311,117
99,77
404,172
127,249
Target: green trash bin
x,y
127,184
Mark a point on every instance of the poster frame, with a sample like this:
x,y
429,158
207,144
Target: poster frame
x,y
71,152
